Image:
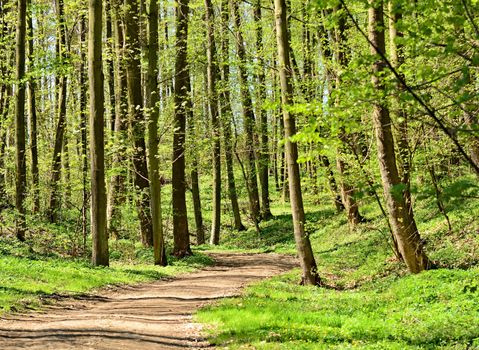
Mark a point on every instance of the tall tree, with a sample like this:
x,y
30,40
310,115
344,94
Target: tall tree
x,y
32,85
135,104
83,127
61,111
347,189
226,115
153,111
21,176
116,193
248,116
215,122
263,158
182,102
303,244
398,112
401,219
97,146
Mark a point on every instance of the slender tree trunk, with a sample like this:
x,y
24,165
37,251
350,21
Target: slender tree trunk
x,y
97,145
215,122
399,114
116,194
21,176
5,99
135,101
226,115
347,190
263,161
303,244
83,128
109,63
248,116
153,111
33,118
195,190
54,205
401,219
66,159
338,203
181,234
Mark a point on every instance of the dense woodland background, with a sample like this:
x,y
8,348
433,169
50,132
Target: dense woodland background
x,y
345,132
127,125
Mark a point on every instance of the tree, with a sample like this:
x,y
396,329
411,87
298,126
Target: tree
x,y
248,116
98,188
32,85
153,170
263,158
303,244
215,122
226,115
135,105
182,102
61,83
401,219
21,175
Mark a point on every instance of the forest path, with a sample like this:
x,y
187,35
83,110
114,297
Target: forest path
x,y
154,315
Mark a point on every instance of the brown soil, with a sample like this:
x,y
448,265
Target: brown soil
x,y
156,315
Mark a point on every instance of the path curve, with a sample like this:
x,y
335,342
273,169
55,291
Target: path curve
x,y
155,315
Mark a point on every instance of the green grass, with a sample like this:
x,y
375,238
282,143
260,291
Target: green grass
x,y
370,301
27,279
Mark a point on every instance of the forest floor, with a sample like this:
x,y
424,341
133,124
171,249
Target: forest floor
x,y
146,316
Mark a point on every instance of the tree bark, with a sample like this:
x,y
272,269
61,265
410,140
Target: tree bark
x,y
135,102
215,122
33,118
153,98
263,159
303,244
21,164
248,117
226,115
83,129
182,102
399,114
401,219
54,205
109,63
97,145
116,195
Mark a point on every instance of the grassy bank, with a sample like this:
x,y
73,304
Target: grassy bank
x,y
370,301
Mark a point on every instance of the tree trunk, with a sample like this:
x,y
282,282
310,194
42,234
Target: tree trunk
x,y
195,190
97,145
399,114
263,161
347,190
338,203
116,194
153,111
21,176
248,116
109,63
83,128
303,244
215,122
135,102
182,102
401,219
54,205
33,118
226,115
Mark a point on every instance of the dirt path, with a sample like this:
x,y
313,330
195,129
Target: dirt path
x,y
150,316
